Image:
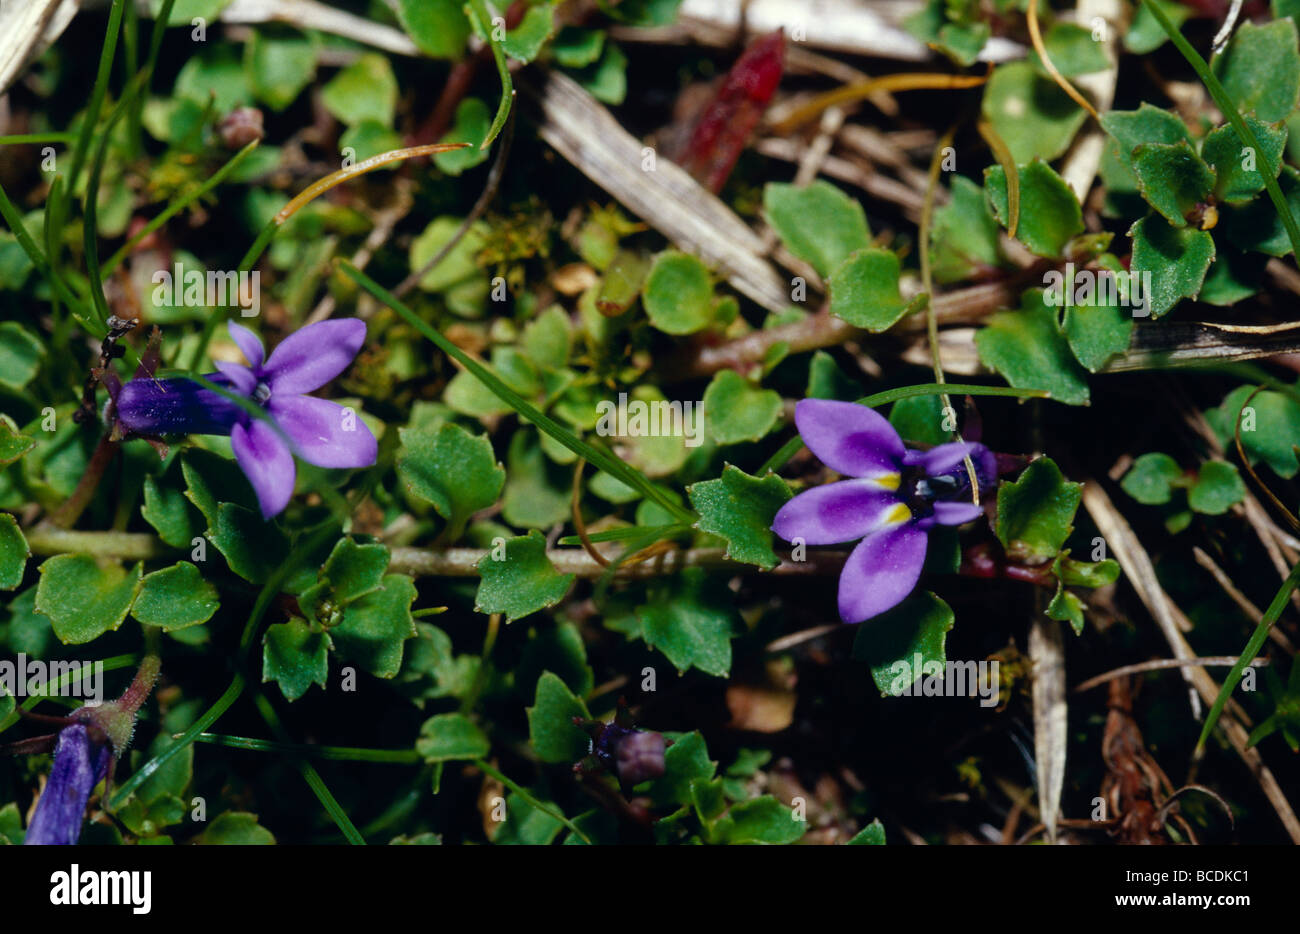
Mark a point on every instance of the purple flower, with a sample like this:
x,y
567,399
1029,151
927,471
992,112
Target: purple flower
x,y
80,763
317,430
88,743
895,497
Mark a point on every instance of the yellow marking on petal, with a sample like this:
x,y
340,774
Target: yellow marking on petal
x,y
888,481
898,514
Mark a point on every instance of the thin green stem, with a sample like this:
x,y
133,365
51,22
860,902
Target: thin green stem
x,y
91,116
312,777
533,802
1249,652
36,138
480,10
333,753
791,447
1229,107
604,460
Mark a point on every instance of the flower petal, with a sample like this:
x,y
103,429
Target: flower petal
x,y
79,765
156,407
265,459
950,513
248,343
849,438
309,358
241,378
947,458
881,571
835,512
323,432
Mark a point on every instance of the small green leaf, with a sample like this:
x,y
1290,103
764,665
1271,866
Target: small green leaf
x,y
376,626
1073,51
818,223
236,828
253,548
964,235
919,419
1147,124
295,657
1257,225
864,290
364,90
1029,350
438,27
20,355
1173,179
685,762
538,492
279,68
871,835
1152,478
13,444
1146,34
1098,332
1090,574
690,618
1035,512
175,598
449,737
548,339
83,598
353,571
827,381
1260,69
526,40
1217,489
13,552
1176,258
473,120
1270,427
760,820
736,410
905,643
1034,117
1049,212
523,581
455,471
740,508
1240,169
554,735
678,294
575,47
166,510
1067,607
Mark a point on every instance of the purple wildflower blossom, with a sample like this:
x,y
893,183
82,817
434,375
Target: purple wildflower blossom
x,y
80,763
314,429
895,497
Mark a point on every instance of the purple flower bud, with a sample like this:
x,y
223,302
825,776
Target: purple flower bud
x,y
240,127
640,757
80,763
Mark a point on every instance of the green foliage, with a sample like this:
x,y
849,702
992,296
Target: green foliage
x,y
1036,512
864,290
83,598
1027,347
517,578
817,223
906,643
739,508
1049,211
1034,117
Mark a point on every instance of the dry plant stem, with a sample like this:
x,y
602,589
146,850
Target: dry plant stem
x,y
463,562
1253,613
579,525
1051,713
1037,38
1123,542
48,539
694,219
1138,568
1162,664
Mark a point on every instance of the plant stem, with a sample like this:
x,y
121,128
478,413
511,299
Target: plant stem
x,y
533,802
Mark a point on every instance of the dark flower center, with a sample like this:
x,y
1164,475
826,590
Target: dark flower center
x,y
261,393
919,491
